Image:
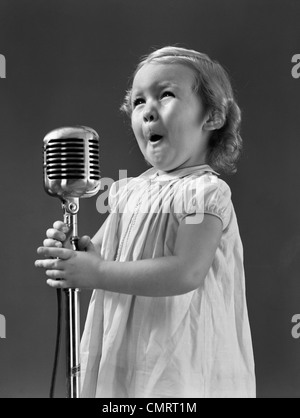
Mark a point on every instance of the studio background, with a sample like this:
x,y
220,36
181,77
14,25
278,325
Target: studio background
x,y
69,63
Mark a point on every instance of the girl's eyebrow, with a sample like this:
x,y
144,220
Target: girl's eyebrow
x,y
167,84
156,86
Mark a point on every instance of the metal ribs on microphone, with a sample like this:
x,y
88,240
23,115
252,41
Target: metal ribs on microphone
x,y
71,162
68,159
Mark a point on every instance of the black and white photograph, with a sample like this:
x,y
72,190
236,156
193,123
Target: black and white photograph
x,y
150,195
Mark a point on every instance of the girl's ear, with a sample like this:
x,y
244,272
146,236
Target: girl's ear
x,y
214,121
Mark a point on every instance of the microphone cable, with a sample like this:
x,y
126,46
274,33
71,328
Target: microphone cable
x,y
58,339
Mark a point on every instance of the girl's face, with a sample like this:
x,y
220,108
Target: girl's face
x,y
168,118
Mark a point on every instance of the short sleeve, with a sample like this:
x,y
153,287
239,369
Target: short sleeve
x,y
204,195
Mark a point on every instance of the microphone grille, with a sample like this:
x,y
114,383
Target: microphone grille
x,y
71,162
94,159
72,159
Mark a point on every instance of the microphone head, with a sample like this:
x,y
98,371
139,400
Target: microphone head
x,y
71,162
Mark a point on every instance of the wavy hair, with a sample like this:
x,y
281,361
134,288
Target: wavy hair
x,y
213,85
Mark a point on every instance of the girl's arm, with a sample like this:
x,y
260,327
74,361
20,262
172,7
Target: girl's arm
x,y
195,248
180,273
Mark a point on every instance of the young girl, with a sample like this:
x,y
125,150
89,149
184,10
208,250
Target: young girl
x,y
168,317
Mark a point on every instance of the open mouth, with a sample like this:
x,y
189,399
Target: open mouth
x,y
155,138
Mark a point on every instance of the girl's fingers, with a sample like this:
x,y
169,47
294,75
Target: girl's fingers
x,y
55,234
54,274
49,252
49,242
54,264
57,284
61,226
83,243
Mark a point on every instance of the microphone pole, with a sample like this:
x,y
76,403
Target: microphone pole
x,y
72,308
72,171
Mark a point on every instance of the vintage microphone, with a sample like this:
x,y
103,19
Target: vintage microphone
x,y
71,172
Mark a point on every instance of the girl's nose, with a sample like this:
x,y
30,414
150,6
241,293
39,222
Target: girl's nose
x,y
150,114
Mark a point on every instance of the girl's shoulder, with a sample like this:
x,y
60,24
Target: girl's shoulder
x,y
214,182
205,193
207,181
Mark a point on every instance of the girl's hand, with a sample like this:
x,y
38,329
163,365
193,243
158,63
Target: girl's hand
x,y
67,268
57,236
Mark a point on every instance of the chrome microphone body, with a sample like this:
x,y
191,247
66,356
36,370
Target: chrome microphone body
x,y
71,172
71,162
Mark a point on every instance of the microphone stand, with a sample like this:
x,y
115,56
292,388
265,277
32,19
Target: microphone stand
x,y
70,209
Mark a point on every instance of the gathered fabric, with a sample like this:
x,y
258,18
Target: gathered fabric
x,y
195,345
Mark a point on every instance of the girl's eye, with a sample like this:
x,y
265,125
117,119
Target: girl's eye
x,y
138,101
167,94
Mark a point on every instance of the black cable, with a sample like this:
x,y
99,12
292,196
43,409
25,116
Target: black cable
x,y
57,345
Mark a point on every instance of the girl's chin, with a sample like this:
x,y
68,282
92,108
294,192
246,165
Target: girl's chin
x,y
160,165
160,162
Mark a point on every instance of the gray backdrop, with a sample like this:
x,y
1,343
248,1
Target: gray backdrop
x,y
68,63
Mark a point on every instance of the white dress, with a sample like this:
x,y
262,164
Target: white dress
x,y
195,345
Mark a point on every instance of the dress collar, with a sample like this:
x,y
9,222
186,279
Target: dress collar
x,y
154,174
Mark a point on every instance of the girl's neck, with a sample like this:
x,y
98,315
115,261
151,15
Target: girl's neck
x,y
161,172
